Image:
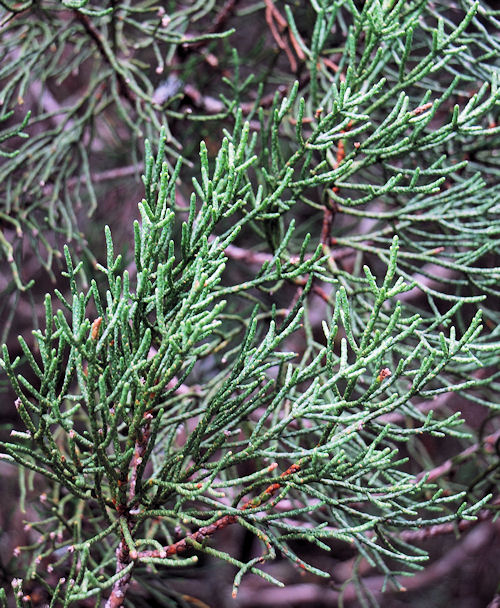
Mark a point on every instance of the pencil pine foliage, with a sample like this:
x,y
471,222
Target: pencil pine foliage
x,y
178,392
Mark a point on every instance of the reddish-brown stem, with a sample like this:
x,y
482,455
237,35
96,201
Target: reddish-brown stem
x,y
141,445
329,208
123,556
328,215
205,531
120,588
276,20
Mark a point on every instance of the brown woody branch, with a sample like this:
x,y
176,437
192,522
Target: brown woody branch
x,y
206,531
329,208
123,556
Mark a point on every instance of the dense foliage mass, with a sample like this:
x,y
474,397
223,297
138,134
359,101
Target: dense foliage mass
x,y
313,289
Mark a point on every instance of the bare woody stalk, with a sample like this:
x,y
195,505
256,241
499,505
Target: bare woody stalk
x,y
123,554
201,535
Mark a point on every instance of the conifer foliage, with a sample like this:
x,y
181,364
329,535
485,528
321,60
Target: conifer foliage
x,y
309,289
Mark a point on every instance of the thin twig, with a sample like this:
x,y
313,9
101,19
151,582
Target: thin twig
x,y
275,20
330,209
141,445
450,527
449,464
120,588
102,176
206,531
217,25
97,38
